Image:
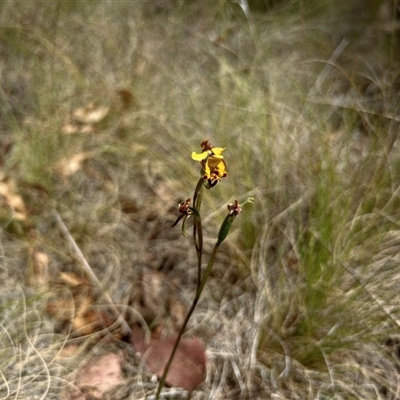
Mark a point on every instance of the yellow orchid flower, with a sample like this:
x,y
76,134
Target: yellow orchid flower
x,y
212,162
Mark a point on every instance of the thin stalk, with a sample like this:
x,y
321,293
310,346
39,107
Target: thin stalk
x,y
176,344
207,271
199,290
198,243
197,226
201,281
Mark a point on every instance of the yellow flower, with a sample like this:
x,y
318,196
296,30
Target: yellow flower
x,y
212,162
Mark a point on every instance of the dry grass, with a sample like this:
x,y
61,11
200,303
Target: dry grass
x,y
303,302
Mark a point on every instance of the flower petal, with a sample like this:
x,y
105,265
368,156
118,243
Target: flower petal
x,y
207,171
199,157
221,169
217,151
213,162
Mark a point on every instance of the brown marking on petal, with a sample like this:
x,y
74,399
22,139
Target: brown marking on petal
x,y
205,146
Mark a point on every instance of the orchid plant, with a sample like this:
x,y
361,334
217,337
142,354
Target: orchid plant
x,y
213,169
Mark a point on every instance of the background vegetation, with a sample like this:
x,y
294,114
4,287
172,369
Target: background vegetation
x,y
101,104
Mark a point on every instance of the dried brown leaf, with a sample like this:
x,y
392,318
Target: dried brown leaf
x,y
68,351
13,200
188,367
71,126
39,268
78,308
62,309
90,114
69,166
71,279
97,376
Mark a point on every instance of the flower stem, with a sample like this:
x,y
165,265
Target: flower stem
x,y
207,271
199,290
198,243
197,227
176,344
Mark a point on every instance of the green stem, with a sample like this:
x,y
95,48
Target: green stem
x,y
176,344
199,290
198,243
201,281
197,227
207,271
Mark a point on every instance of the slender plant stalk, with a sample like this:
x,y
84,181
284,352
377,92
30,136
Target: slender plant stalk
x,y
199,291
207,271
198,242
197,227
214,169
176,344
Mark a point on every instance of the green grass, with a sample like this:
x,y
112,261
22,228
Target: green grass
x,y
303,299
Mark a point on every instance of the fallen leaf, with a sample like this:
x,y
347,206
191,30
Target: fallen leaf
x,y
90,114
78,310
71,279
84,119
62,309
94,321
70,127
97,376
13,200
188,367
69,166
68,351
39,268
